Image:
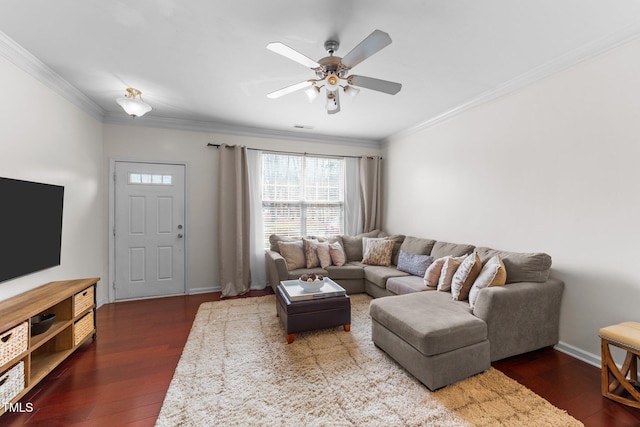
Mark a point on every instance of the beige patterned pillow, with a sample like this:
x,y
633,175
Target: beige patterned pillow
x,y
465,277
432,275
310,254
377,252
324,256
492,274
448,270
293,254
338,255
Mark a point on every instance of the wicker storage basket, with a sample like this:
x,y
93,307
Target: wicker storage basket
x,y
82,328
82,301
11,383
13,342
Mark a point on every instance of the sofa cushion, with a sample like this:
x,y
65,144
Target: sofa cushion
x,y
413,263
379,275
353,245
293,254
493,273
377,251
449,268
520,267
416,245
465,277
406,285
441,249
448,326
348,271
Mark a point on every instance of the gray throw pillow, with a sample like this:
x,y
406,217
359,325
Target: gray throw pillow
x,y
413,263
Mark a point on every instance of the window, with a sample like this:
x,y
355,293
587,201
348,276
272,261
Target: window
x,y
302,195
149,179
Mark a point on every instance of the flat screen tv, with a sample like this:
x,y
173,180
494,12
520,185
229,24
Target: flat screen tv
x,y
31,224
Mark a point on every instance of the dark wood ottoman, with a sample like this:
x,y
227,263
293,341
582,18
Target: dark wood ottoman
x,y
310,315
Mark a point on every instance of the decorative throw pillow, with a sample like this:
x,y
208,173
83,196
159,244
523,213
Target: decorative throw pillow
x,y
323,254
432,274
377,252
413,263
293,254
465,276
448,270
338,256
366,240
493,273
310,254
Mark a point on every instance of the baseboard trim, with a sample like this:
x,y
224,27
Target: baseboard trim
x,y
579,354
195,291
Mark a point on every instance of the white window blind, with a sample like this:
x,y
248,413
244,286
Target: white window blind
x,y
302,195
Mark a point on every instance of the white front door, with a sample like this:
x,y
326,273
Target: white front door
x,y
149,230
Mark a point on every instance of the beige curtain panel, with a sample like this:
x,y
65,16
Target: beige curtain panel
x,y
370,182
233,220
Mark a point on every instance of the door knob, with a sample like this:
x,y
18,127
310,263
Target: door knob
x,y
180,236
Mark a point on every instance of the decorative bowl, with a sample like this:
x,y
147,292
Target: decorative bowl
x,y
41,323
311,286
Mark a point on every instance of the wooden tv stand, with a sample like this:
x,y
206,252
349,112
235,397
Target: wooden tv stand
x,y
74,304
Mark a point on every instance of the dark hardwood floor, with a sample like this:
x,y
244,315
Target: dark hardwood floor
x,y
121,378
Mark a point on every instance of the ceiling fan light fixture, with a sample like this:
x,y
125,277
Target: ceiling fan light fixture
x,y
312,93
332,82
332,102
133,104
351,91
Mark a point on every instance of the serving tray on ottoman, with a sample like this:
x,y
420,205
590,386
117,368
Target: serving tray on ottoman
x,y
320,312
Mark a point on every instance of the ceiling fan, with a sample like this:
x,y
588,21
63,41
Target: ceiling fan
x,y
332,72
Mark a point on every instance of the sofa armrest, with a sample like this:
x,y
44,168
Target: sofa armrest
x,y
520,317
276,268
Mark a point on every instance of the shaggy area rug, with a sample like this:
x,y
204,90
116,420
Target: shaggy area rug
x,y
237,369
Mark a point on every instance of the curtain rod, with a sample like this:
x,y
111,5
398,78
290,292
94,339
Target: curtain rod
x,y
292,152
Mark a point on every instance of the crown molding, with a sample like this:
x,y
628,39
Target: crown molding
x,y
561,63
24,60
231,129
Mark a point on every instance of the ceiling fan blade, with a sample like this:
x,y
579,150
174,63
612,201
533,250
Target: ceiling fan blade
x,y
367,47
289,89
292,54
375,84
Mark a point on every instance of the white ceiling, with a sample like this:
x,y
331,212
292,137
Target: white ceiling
x,y
200,60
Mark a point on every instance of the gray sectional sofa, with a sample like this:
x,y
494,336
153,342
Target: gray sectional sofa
x,y
437,339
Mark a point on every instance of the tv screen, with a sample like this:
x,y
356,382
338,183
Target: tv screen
x,y
31,219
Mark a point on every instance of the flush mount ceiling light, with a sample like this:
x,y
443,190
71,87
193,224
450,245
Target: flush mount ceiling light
x,y
133,104
332,71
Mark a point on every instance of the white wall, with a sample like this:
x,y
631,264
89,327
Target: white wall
x,y
45,138
123,142
552,168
